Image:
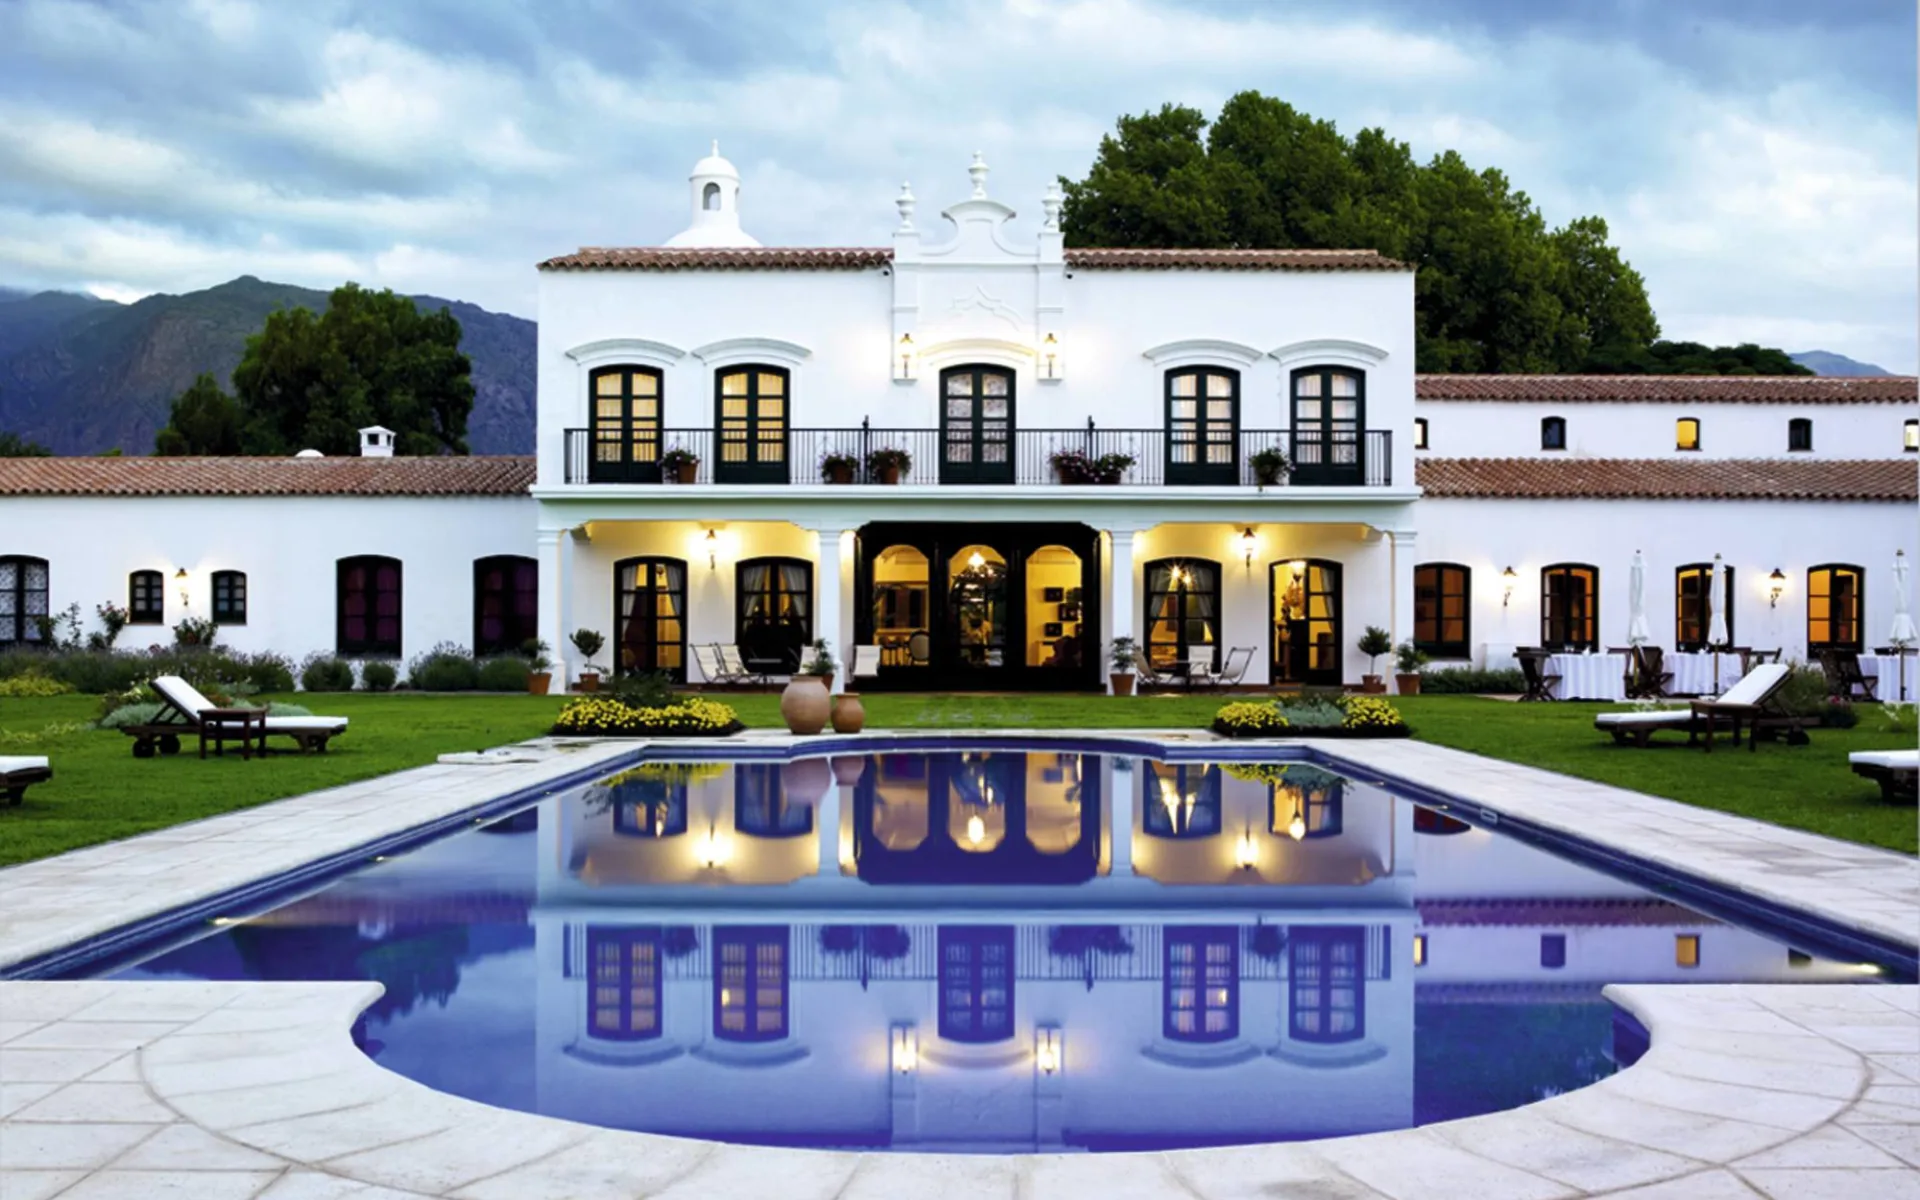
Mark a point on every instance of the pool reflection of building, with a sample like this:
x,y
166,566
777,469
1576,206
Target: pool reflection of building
x,y
767,930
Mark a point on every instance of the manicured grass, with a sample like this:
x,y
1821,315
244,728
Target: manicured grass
x,y
100,792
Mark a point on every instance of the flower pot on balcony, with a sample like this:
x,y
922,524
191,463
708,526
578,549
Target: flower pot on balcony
x,y
889,475
849,716
1122,684
683,472
840,474
805,705
1373,685
1408,685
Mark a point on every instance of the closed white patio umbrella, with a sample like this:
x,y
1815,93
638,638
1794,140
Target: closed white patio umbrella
x,y
1903,633
1637,631
1716,617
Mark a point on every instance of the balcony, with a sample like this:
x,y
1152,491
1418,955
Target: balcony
x,y
792,456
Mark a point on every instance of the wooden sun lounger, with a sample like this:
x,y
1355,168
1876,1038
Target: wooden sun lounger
x,y
18,772
1752,702
185,712
1896,771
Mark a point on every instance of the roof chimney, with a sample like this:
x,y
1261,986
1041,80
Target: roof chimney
x,y
376,441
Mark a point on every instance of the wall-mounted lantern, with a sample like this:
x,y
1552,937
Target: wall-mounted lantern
x,y
903,359
713,550
1508,578
1776,583
180,581
1053,364
1247,543
1047,1048
905,1050
1245,853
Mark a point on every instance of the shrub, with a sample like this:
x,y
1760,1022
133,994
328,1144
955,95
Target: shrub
x,y
1469,681
1245,718
113,619
1838,714
445,668
322,672
378,676
195,633
1409,658
33,684
608,716
1805,693
1373,714
1313,714
503,675
267,671
650,689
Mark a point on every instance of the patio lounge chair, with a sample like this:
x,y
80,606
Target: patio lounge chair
x,y
866,662
735,669
713,669
183,710
18,771
1151,676
1238,660
1698,717
1844,678
1751,701
1533,669
1896,771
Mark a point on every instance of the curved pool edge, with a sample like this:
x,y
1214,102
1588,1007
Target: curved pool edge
x,y
1737,1076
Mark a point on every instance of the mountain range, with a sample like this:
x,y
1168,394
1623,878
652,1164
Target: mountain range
x,y
83,375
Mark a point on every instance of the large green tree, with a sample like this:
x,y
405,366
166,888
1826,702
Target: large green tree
x,y
312,381
1496,288
12,445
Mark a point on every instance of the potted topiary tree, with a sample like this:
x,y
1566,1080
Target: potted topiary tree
x,y
588,643
1408,659
1373,643
1120,658
539,666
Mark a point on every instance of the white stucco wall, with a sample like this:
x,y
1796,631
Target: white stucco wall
x,y
288,547
1511,429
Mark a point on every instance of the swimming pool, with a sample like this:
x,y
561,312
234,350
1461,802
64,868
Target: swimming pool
x,y
995,949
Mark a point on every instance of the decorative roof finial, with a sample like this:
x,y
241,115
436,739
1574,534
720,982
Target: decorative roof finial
x,y
905,204
1050,205
716,147
979,172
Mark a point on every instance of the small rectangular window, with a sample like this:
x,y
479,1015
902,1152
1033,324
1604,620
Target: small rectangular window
x,y
146,598
1913,436
1686,950
1419,433
1419,949
230,597
1553,950
1553,433
1800,434
1686,433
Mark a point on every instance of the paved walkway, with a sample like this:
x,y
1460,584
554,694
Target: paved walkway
x,y
215,1090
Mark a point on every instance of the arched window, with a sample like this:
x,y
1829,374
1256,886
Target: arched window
x,y
1201,994
773,616
1569,606
146,598
650,606
1183,612
1327,984
976,423
900,581
506,603
626,425
751,413
710,197
1056,634
1553,433
1686,433
367,607
761,806
1800,434
750,983
1329,420
230,597
1419,433
23,598
1691,584
645,807
623,988
976,983
1181,800
1443,610
1304,609
1203,426
1834,592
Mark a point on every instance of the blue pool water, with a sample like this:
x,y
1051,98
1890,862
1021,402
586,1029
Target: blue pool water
x,y
997,950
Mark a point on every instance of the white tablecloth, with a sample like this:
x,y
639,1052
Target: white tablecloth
x,y
1588,676
1693,673
1886,668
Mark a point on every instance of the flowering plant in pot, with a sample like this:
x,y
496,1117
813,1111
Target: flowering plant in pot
x,y
680,465
1408,659
821,662
888,464
1120,658
1075,467
589,643
1270,466
1373,643
838,468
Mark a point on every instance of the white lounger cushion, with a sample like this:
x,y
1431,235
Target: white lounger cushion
x,y
181,694
1677,717
9,763
1755,686
306,724
1893,760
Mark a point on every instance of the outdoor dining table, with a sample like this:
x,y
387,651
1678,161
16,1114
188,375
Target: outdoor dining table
x,y
1886,668
1693,673
1588,676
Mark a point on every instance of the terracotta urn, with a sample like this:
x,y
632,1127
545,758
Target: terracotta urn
x,y
849,715
805,705
805,780
848,768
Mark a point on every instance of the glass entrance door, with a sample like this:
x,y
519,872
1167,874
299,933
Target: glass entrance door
x,y
650,596
976,425
1306,622
977,614
1183,607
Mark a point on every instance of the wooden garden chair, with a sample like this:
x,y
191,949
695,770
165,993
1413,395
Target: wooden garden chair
x,y
1533,669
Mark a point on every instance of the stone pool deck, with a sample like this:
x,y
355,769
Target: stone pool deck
x,y
215,1090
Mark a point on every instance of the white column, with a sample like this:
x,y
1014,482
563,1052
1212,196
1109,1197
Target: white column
x,y
826,827
1120,597
1401,559
553,623
828,609
1121,787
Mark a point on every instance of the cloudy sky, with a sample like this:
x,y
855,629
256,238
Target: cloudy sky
x,y
1755,158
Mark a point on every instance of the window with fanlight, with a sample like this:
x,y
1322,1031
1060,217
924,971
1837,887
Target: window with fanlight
x,y
1694,588
1442,609
1569,606
1834,592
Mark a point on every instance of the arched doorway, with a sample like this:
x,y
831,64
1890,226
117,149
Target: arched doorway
x,y
650,605
1304,611
977,607
1183,613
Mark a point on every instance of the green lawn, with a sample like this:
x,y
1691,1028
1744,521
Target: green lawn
x,y
101,792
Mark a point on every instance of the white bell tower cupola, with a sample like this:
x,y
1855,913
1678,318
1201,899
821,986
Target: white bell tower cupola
x,y
716,207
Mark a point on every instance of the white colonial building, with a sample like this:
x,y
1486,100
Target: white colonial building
x,y
990,456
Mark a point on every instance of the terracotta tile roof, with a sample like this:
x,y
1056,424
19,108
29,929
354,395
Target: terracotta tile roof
x,y
1673,389
1500,910
854,258
1668,478
474,476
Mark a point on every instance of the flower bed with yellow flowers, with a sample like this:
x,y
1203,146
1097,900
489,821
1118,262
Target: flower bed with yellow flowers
x,y
1359,717
606,716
